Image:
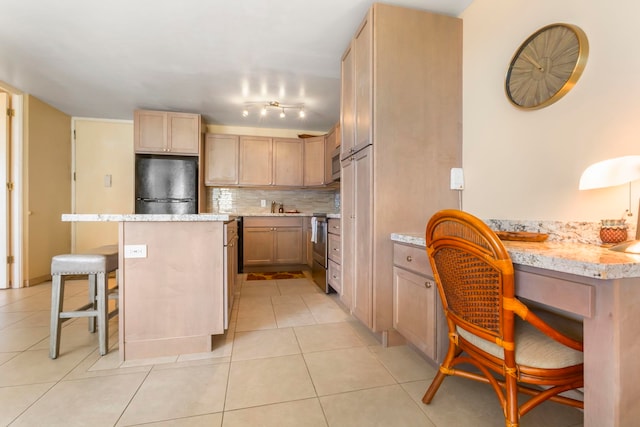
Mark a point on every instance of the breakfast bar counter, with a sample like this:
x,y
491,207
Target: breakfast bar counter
x,y
174,281
602,288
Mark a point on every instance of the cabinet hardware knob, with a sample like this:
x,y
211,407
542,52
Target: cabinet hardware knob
x,y
427,285
409,258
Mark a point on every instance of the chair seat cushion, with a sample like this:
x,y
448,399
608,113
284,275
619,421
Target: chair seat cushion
x,y
535,349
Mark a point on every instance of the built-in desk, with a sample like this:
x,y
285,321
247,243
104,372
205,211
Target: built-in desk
x,y
602,288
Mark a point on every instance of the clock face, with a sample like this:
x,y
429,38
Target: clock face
x,y
546,66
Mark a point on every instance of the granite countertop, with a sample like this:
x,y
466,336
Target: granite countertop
x,y
329,215
145,218
182,217
568,257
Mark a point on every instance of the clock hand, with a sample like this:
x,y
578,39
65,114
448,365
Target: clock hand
x,y
533,61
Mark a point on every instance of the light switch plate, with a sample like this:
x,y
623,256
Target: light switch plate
x,y
457,179
135,251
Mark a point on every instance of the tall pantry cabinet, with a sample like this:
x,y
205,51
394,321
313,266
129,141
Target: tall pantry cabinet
x,y
401,122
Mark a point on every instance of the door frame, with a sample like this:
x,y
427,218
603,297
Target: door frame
x,y
15,150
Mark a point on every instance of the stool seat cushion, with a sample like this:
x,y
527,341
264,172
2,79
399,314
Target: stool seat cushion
x,y
83,263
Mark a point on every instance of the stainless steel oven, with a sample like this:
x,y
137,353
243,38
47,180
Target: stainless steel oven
x,y
319,240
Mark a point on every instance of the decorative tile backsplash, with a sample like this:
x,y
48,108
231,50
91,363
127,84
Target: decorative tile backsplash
x,y
247,200
578,232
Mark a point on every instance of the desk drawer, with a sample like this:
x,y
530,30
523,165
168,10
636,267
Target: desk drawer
x,y
412,258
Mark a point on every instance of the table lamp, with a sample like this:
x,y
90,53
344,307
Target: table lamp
x,y
610,173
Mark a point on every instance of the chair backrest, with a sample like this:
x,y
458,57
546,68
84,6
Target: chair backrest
x,y
473,272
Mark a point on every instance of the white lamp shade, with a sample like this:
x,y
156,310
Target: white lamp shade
x,y
611,172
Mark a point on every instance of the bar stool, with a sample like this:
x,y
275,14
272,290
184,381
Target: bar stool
x,y
96,264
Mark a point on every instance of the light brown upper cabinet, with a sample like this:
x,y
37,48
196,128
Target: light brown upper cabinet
x,y
287,162
356,99
314,166
256,160
221,159
332,145
409,118
163,132
347,104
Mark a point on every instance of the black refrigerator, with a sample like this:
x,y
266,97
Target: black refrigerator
x,y
166,184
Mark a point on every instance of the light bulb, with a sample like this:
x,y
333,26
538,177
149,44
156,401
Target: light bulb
x,y
245,112
264,111
282,115
301,114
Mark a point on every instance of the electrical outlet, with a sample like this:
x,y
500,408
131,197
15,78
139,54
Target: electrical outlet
x,y
135,251
263,203
457,179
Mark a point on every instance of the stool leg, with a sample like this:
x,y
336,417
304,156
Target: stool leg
x,y
57,298
92,301
103,323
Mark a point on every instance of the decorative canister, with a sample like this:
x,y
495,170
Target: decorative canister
x,y
613,231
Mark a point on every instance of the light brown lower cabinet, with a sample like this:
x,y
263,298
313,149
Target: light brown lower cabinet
x,y
172,298
415,309
272,240
334,250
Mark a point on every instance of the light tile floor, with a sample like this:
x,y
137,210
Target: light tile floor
x,y
292,357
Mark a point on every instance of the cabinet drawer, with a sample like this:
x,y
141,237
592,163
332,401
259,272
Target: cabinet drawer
x,y
270,221
334,226
414,309
334,248
412,258
334,278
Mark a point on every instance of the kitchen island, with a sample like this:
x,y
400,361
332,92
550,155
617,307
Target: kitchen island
x,y
173,281
599,287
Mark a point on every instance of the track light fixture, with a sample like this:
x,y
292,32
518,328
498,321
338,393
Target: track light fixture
x,y
266,106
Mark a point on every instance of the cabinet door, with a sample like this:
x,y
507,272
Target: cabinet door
x,y
363,83
183,133
150,131
363,286
288,245
347,104
314,164
329,146
347,225
287,162
255,160
221,159
334,248
333,276
258,245
414,309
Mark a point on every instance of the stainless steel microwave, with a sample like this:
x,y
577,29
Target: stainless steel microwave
x,y
335,164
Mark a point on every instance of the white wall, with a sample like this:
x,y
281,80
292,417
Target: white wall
x,y
527,164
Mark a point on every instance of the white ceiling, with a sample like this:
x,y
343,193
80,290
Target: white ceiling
x,y
103,59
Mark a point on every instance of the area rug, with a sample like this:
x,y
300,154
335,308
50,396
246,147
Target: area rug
x,y
273,275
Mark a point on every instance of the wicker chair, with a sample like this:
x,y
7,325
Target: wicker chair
x,y
523,353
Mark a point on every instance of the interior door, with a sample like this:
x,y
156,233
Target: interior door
x,y
104,170
5,156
